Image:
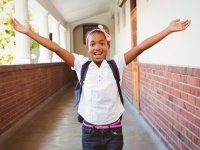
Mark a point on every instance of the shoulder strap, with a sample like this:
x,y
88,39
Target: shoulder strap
x,y
84,70
78,89
115,72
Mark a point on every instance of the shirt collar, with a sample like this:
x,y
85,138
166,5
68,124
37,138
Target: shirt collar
x,y
103,64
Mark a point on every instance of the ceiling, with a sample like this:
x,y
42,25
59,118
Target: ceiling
x,y
74,10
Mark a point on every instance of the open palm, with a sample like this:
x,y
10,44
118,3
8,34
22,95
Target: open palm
x,y
177,25
19,27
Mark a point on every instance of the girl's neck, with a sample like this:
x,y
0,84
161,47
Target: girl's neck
x,y
98,63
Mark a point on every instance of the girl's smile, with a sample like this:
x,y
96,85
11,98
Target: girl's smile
x,y
97,47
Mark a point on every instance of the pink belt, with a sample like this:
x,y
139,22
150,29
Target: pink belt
x,y
116,124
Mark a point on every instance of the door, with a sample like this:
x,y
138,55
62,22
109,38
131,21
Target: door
x,y
135,64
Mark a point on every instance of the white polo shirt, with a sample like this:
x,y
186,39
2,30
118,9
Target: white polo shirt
x,y
100,101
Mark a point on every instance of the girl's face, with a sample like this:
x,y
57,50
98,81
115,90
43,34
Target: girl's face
x,y
97,47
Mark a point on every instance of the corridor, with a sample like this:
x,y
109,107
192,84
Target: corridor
x,y
163,81
56,128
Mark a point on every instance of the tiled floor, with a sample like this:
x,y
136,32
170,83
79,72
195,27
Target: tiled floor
x,y
56,128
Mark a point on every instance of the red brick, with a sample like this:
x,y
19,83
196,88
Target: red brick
x,y
196,72
193,81
192,100
175,101
24,87
189,71
184,147
184,96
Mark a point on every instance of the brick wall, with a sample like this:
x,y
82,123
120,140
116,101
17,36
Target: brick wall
x,y
127,83
170,103
24,87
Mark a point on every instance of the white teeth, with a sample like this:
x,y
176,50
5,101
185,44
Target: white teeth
x,y
97,53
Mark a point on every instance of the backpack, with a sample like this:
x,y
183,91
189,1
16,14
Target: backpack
x,y
78,88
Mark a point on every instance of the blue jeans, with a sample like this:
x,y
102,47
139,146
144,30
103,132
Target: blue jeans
x,y
102,139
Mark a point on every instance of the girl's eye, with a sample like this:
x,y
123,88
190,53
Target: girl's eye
x,y
102,43
92,44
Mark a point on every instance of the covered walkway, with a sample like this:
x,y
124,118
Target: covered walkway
x,y
56,128
164,83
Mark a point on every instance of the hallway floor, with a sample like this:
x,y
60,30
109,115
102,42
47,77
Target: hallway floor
x,y
56,128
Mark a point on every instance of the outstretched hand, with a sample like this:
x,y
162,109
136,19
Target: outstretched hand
x,y
19,27
177,25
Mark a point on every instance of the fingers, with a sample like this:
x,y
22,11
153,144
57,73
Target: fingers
x,y
177,25
16,21
12,22
176,20
185,23
182,22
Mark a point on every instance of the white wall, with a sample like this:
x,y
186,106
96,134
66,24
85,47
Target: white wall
x,y
122,32
104,19
178,49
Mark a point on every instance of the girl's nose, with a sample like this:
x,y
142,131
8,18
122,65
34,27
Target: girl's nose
x,y
97,47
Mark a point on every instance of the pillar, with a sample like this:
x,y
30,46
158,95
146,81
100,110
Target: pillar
x,y
22,51
45,54
56,38
63,42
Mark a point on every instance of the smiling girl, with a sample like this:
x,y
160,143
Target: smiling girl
x,y
100,103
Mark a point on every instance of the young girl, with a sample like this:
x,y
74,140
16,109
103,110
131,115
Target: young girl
x,y
100,104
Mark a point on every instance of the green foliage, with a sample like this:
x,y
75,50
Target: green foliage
x,y
7,33
34,45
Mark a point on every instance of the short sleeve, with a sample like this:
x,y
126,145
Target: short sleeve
x,y
79,60
121,64
120,60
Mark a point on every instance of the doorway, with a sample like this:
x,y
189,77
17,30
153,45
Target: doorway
x,y
135,64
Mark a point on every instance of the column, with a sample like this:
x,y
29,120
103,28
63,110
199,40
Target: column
x,y
56,38
22,51
45,54
68,37
63,42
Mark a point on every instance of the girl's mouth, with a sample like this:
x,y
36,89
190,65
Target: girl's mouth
x,y
97,53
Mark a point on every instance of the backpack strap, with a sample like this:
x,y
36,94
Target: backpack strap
x,y
115,72
84,70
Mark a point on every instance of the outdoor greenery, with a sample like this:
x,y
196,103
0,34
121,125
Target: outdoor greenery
x,y
7,33
34,45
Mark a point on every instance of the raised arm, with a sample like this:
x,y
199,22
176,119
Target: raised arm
x,y
64,54
174,26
